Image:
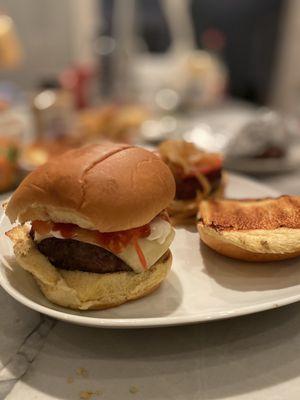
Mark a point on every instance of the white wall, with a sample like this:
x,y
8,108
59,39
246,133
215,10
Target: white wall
x,y
54,33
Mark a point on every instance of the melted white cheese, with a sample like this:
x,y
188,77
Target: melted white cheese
x,y
160,230
51,234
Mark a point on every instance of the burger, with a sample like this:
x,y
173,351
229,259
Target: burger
x,y
198,175
92,227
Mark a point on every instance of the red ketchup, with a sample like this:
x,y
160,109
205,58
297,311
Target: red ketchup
x,y
67,231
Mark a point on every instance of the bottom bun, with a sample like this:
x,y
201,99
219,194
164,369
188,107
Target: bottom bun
x,y
236,252
85,290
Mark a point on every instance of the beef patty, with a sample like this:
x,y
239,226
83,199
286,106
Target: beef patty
x,y
186,188
74,255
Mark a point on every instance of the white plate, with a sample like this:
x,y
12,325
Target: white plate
x,y
214,130
202,285
263,166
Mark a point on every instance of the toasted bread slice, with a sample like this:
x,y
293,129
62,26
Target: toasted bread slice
x,y
252,230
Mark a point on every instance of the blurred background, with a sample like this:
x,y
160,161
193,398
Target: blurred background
x,y
223,74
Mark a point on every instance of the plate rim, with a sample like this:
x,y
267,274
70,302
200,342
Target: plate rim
x,y
151,322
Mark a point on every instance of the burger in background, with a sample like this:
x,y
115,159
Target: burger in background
x,y
40,151
198,175
118,123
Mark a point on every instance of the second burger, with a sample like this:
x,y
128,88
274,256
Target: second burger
x,y
198,175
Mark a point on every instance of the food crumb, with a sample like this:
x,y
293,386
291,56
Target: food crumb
x,y
82,372
70,379
133,389
88,394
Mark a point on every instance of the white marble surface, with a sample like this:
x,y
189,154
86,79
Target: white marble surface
x,y
22,333
254,357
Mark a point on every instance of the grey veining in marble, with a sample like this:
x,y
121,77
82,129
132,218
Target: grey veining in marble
x,y
22,344
253,357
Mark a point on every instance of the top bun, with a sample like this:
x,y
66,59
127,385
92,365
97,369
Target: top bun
x,y
108,187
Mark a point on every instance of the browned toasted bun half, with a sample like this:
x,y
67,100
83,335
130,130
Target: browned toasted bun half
x,y
85,290
108,187
252,230
233,251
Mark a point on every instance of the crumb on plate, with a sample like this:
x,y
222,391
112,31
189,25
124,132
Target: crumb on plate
x,y
82,372
133,389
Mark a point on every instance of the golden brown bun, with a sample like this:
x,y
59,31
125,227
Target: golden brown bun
x,y
233,251
183,212
252,230
266,213
108,187
85,290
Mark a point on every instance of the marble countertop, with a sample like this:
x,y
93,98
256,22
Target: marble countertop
x,y
253,357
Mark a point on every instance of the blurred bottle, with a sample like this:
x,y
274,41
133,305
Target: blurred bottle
x,y
79,81
53,110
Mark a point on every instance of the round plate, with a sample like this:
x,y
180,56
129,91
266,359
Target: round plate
x,y
261,166
202,285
